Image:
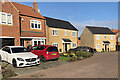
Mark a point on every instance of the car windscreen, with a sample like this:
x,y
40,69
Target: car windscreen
x,y
52,49
19,50
38,48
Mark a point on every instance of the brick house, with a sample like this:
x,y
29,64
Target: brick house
x,y
99,38
117,32
21,25
62,34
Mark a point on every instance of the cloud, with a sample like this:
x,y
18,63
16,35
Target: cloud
x,y
112,24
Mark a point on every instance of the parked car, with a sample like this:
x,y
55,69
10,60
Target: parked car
x,y
45,52
19,56
82,48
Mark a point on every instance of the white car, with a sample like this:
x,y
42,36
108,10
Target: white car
x,y
19,56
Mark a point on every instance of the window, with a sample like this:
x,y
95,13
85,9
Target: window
x,y
38,48
74,44
97,37
98,46
112,45
55,32
73,34
51,49
6,49
112,37
55,44
65,33
35,24
5,18
38,41
105,37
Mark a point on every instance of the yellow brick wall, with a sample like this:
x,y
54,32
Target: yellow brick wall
x,y
58,39
100,41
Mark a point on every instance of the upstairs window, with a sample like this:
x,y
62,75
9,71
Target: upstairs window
x,y
65,33
55,32
6,18
73,34
97,37
35,24
112,37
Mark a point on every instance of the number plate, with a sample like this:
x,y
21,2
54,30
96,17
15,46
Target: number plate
x,y
53,53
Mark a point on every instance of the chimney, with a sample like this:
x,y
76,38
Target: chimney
x,y
35,7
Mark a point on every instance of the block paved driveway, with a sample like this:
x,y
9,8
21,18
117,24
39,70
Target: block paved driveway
x,y
101,65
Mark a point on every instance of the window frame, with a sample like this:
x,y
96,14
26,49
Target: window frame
x,y
97,37
73,35
6,20
97,46
65,32
55,44
112,37
74,45
54,31
112,45
34,24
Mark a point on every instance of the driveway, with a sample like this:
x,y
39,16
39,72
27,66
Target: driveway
x,y
101,65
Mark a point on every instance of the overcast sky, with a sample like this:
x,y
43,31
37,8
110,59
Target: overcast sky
x,y
81,14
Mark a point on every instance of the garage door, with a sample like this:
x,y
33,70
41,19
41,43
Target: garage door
x,y
6,42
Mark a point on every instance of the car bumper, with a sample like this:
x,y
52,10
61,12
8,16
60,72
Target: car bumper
x,y
25,64
53,57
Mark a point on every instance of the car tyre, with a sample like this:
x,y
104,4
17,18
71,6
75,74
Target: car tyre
x,y
42,59
14,63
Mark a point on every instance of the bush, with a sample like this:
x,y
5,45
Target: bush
x,y
29,46
74,58
83,54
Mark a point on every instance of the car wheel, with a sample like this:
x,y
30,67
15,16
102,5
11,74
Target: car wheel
x,y
14,63
42,59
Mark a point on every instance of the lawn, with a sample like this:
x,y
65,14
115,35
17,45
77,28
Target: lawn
x,y
64,58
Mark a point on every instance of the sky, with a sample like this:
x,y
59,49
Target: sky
x,y
80,14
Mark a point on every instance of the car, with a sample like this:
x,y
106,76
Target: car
x,y
45,52
19,56
82,48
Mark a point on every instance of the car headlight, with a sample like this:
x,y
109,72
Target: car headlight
x,y
37,57
20,59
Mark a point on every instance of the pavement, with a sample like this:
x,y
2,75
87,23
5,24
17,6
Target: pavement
x,y
101,65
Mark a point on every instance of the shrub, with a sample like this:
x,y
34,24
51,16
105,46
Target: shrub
x,y
74,58
83,54
29,46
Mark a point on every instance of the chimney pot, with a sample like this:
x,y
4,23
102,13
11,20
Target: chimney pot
x,y
35,7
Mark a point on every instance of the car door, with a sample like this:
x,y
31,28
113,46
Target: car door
x,y
6,53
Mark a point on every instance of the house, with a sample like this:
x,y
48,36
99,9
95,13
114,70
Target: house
x,y
62,34
99,38
117,32
78,41
21,25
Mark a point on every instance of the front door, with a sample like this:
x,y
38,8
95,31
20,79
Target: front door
x,y
65,47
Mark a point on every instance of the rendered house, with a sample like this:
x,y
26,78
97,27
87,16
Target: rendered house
x,y
21,25
99,38
117,32
61,34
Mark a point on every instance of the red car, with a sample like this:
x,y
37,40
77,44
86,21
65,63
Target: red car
x,y
45,52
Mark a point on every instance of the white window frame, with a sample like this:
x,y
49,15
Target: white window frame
x,y
6,15
74,45
55,44
73,33
112,37
112,45
98,37
55,33
65,32
37,41
38,22
98,46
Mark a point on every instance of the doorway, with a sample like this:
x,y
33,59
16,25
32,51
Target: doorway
x,y
65,47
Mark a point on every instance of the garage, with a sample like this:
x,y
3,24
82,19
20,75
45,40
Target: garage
x,y
6,42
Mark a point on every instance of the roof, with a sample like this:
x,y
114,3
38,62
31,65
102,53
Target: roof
x,y
56,23
115,30
27,10
100,30
66,40
106,42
